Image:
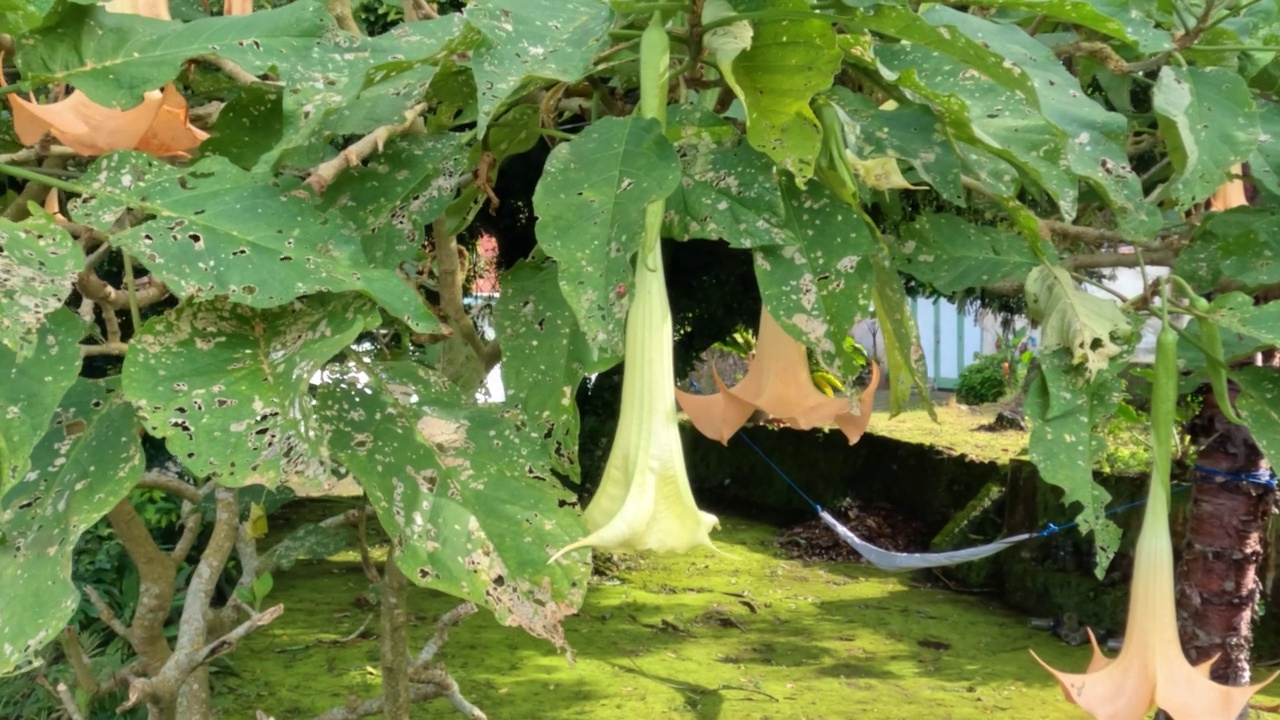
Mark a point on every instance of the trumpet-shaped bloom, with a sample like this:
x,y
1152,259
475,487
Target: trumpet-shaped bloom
x,y
778,383
1151,670
158,126
644,501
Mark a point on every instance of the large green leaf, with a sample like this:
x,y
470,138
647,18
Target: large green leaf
x,y
1209,122
1090,328
87,461
1259,406
17,16
526,41
1242,244
1235,312
785,63
1062,446
465,493
114,58
909,132
215,231
820,282
397,193
1264,165
226,385
1020,92
38,262
1119,19
729,191
544,356
32,387
952,254
590,205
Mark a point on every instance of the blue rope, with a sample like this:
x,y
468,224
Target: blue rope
x,y
1265,478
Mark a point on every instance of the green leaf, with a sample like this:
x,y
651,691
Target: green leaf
x,y
18,16
528,41
952,254
910,132
216,231
307,542
544,357
242,412
465,494
818,284
590,205
1209,122
1235,312
114,58
729,191
1087,326
1062,446
1242,244
1264,165
901,336
38,263
248,126
32,387
399,191
1119,19
787,63
1259,406
87,462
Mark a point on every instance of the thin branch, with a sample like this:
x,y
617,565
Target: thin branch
x,y
443,625
230,69
415,10
341,11
228,642
451,280
150,290
118,349
172,484
31,154
190,532
356,153
64,696
106,614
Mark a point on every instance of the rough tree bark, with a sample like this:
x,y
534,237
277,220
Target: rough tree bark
x,y
395,642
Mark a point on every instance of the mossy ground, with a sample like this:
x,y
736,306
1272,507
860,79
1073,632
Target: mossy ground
x,y
743,634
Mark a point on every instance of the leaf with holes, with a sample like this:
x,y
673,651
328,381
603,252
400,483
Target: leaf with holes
x,y
544,357
728,191
466,494
1063,448
1119,19
114,58
901,336
909,132
1089,327
818,284
215,231
86,462
398,192
1242,244
243,411
1209,122
32,387
1259,406
784,64
1236,313
38,263
525,41
952,254
590,205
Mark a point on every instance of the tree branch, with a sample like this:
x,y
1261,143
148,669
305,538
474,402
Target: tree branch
x,y
357,152
451,281
230,69
443,625
106,614
415,10
341,11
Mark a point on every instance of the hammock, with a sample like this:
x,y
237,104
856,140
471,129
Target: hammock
x,y
904,562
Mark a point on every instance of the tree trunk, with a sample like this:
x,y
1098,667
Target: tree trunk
x,y
1218,580
395,642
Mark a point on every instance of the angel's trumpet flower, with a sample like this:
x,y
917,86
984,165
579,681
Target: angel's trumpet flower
x,y
644,501
158,125
1151,670
778,382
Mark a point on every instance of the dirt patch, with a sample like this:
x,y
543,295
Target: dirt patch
x,y
878,523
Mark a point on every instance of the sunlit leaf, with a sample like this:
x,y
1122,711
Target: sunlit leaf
x,y
38,263
87,461
951,254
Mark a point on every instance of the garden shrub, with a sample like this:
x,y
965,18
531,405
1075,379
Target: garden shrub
x,y
983,381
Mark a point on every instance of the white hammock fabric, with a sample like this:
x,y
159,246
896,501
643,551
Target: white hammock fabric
x,y
904,562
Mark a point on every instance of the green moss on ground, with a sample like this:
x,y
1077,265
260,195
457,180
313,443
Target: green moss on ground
x,y
699,635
